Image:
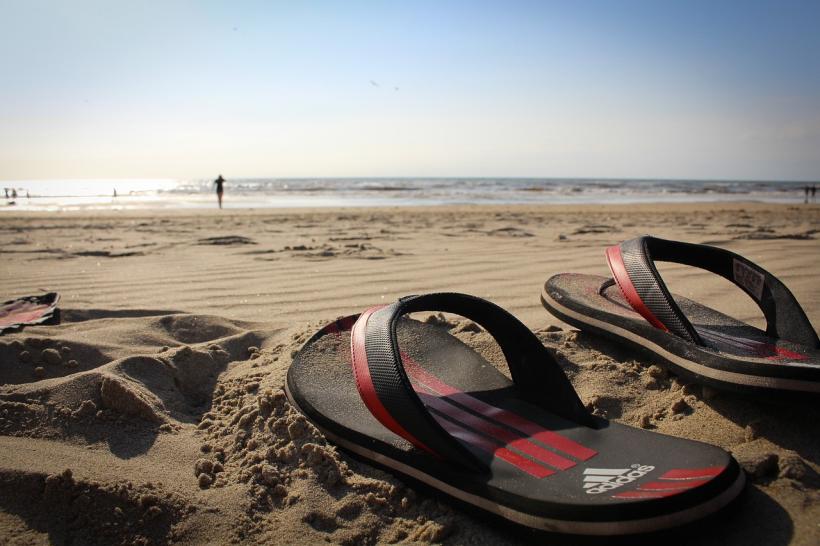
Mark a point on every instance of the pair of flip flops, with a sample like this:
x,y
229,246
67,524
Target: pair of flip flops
x,y
408,396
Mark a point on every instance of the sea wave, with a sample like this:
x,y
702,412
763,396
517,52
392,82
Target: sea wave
x,y
302,192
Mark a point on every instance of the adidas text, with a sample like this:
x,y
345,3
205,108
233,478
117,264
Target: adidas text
x,y
601,480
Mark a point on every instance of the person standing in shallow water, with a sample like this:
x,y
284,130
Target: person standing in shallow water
x,y
219,191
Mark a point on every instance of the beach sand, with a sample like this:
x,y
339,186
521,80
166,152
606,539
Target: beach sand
x,y
154,412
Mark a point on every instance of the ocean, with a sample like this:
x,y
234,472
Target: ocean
x,y
245,193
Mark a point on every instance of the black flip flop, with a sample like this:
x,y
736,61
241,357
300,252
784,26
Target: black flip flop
x,y
636,308
410,397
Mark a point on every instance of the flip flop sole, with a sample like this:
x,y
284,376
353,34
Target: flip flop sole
x,y
583,302
544,472
603,528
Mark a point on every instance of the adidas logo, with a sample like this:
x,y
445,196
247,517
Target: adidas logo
x,y
601,480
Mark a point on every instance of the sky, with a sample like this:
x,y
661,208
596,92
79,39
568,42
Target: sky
x,y
188,89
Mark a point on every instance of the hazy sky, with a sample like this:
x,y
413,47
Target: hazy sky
x,y
712,89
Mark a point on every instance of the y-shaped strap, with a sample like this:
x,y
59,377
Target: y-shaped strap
x,y
390,397
633,268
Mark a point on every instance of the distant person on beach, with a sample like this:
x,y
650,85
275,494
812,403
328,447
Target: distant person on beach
x,y
806,190
14,193
813,193
219,191
7,192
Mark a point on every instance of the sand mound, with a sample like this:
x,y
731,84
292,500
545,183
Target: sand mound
x,y
216,397
90,512
296,479
69,384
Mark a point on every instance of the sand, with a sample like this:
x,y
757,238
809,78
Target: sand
x,y
154,412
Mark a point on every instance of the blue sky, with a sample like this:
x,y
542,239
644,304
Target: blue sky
x,y
586,89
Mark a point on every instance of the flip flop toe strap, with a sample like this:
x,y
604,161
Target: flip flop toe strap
x,y
633,268
388,393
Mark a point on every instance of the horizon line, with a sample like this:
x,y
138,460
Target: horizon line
x,y
406,177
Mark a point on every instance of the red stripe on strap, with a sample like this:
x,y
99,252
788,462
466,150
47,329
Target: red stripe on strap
x,y
478,424
644,494
692,473
672,485
364,383
619,273
505,417
530,467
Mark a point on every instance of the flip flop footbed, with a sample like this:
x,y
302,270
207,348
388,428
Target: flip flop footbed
x,y
543,471
736,355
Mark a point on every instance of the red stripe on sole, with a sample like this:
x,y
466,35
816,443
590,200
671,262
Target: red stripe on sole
x,y
497,433
22,318
346,323
505,417
530,467
765,350
644,494
785,354
672,485
692,473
